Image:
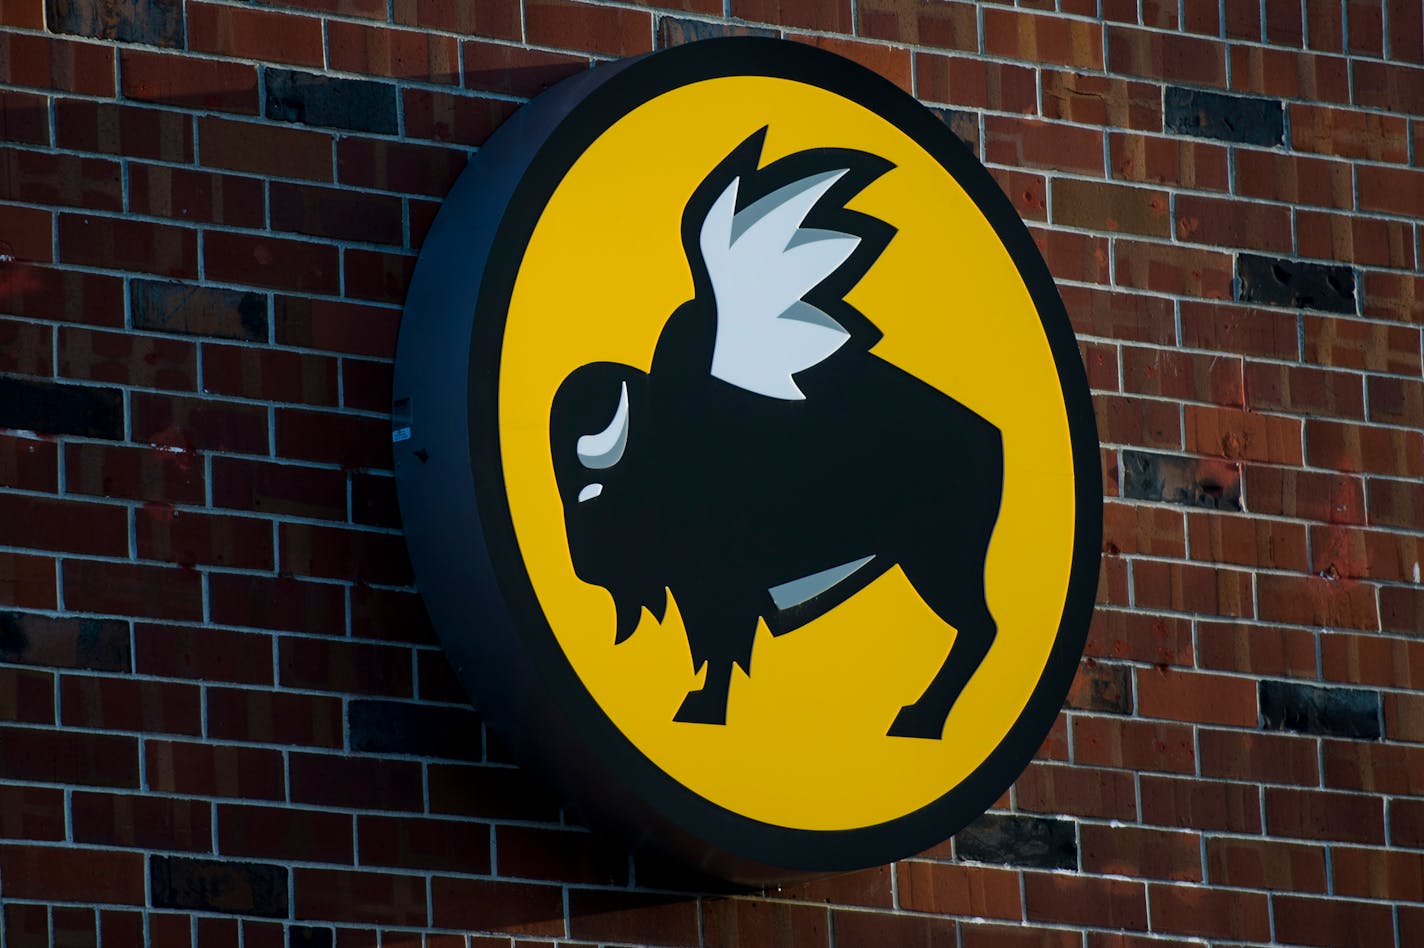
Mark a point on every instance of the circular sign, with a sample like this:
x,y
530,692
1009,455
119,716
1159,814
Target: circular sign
x,y
747,459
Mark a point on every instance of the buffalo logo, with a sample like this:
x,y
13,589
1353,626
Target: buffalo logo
x,y
769,466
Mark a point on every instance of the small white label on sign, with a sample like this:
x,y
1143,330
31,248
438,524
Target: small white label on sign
x,y
400,434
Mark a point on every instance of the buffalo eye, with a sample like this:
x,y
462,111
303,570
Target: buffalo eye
x,y
604,449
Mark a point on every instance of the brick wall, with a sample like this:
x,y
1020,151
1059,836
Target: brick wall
x,y
224,719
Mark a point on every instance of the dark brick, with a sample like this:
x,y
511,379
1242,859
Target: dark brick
x,y
1228,118
309,936
199,310
1101,687
1279,282
53,408
357,104
395,727
1013,840
1308,709
1194,482
151,22
964,125
235,888
98,644
675,30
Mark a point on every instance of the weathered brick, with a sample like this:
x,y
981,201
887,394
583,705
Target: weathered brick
x,y
239,888
1229,118
395,727
1299,285
198,310
150,22
312,99
1017,840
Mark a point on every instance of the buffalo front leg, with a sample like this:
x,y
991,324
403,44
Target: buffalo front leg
x,y
708,704
925,718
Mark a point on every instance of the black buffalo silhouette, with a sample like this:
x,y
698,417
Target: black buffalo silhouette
x,y
762,470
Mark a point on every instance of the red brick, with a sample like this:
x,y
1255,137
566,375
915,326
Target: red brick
x,y
1100,206
1354,554
833,16
268,717
44,62
193,538
1132,528
444,117
390,615
1302,390
1372,660
1194,910
1259,758
1396,401
1172,161
1043,39
1171,57
118,243
397,166
290,489
1101,100
1085,900
123,704
265,149
404,54
1395,296
1187,588
32,813
1196,697
1377,768
1403,717
1026,143
255,34
25,14
277,603
72,875
70,757
1183,375
29,233
1201,804
1389,86
1406,31
1161,640
1256,650
1293,179
494,18
189,82
269,375
1317,814
214,770
28,463
1401,609
1378,874
132,589
198,423
334,553
1249,435
1073,256
1133,745
115,129
1077,791
1348,133
331,438
343,327
366,386
1169,268
1218,222
609,915
337,213
1138,422
949,25
364,897
63,525
1266,864
208,654
1140,853
26,696
959,890
355,782
133,473
1310,600
1114,315
1311,495
24,118
890,62
1260,70
121,927
259,260
1247,541
142,822
515,908
378,276
27,581
1352,448
196,196
733,923
1355,344
352,667
127,359
426,845
261,832
513,70
1306,921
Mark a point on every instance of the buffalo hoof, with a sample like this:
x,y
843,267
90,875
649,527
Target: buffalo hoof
x,y
914,721
700,707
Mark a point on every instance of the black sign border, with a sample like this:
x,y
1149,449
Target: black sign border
x,y
581,746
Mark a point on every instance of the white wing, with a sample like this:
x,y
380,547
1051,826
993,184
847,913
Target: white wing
x,y
761,262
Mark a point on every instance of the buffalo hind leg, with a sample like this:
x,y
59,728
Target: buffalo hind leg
x,y
975,629
708,704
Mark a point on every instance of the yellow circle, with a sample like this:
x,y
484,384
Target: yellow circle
x,y
804,745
